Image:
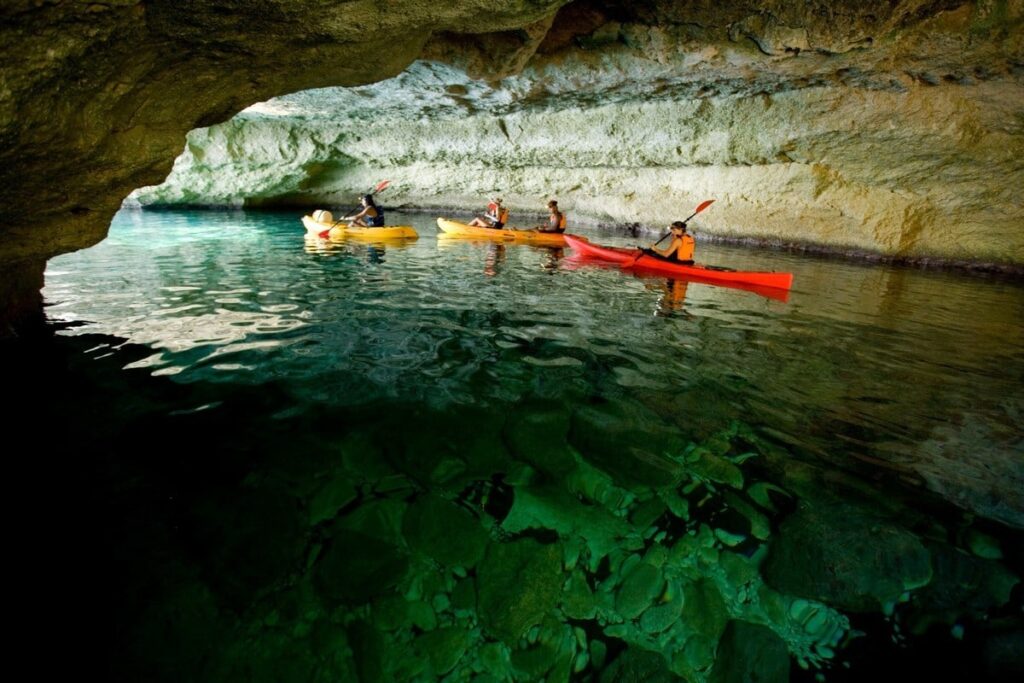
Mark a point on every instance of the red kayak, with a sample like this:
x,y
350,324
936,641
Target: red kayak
x,y
627,258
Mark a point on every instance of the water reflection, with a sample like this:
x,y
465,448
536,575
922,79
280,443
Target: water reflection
x,y
535,477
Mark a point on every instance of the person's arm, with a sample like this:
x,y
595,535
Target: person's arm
x,y
357,216
670,250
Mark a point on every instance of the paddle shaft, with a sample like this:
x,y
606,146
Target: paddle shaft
x,y
670,232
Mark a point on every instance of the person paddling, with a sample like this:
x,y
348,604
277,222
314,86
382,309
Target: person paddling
x,y
681,249
496,216
556,219
370,217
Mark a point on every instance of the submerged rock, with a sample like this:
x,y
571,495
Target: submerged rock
x,y
749,653
639,666
517,584
443,531
846,557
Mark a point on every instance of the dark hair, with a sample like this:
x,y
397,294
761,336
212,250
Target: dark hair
x,y
679,224
552,202
368,198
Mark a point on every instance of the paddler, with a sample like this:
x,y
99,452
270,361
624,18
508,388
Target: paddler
x,y
370,217
495,217
681,248
556,219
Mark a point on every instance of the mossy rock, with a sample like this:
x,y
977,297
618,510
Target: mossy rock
x,y
517,584
443,531
846,557
749,653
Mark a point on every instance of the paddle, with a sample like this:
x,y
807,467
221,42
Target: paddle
x,y
379,187
639,252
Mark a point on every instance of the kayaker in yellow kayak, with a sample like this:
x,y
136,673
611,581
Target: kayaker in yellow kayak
x,y
496,216
681,249
370,217
556,219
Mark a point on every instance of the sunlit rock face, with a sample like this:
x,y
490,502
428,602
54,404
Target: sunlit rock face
x,y
890,127
894,133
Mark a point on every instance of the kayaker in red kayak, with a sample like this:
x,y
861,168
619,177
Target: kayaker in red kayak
x,y
556,219
496,216
681,249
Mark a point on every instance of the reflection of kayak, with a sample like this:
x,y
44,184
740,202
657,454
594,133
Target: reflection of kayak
x,y
625,257
554,239
343,231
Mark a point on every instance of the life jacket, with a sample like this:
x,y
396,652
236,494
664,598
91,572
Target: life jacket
x,y
376,221
685,250
503,216
560,226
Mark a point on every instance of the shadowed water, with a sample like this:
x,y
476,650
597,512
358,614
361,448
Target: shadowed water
x,y
450,458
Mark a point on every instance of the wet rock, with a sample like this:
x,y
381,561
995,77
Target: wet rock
x,y
714,468
536,434
355,567
247,542
629,442
444,531
704,609
368,649
846,557
443,648
517,584
577,598
640,588
749,653
639,666
464,595
962,585
335,494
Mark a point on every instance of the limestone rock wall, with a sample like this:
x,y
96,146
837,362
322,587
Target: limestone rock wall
x,y
96,99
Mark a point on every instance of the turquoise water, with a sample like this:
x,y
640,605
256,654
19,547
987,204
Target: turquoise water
x,y
451,458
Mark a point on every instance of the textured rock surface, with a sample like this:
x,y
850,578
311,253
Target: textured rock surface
x,y
892,135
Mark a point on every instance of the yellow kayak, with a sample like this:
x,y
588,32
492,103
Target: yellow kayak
x,y
455,229
343,231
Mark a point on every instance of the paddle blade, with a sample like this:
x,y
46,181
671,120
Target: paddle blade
x,y
323,235
381,185
703,205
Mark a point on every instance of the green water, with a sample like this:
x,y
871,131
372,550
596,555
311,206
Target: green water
x,y
472,461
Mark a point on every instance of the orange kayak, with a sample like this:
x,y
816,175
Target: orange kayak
x,y
628,258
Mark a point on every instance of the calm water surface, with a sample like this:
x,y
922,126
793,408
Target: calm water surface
x,y
572,426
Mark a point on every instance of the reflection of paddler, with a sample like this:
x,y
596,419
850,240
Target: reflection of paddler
x,y
495,257
673,294
551,259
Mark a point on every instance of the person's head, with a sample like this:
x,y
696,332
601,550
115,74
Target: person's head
x,y
553,205
497,200
368,200
678,228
